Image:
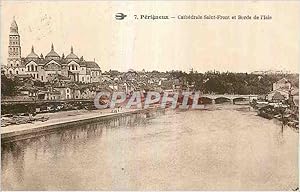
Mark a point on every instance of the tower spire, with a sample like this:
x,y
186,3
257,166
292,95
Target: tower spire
x,y
32,49
52,47
71,49
14,27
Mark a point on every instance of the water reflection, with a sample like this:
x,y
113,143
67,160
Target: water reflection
x,y
50,146
176,150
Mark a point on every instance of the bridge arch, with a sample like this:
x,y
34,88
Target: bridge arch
x,y
240,99
220,100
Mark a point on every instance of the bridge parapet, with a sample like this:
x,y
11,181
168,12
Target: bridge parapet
x,y
231,97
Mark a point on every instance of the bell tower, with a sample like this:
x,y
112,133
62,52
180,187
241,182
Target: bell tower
x,y
14,48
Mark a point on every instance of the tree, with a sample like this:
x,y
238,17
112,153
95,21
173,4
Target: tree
x,y
8,86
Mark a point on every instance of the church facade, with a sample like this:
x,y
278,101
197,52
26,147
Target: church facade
x,y
45,68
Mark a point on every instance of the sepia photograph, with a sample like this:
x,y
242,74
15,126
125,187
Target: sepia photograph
x,y
149,95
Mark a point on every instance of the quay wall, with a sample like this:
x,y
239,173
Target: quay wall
x,y
32,132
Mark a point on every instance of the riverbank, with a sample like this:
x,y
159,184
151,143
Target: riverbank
x,y
283,113
57,120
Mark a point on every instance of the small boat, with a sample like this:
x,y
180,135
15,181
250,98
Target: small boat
x,y
266,112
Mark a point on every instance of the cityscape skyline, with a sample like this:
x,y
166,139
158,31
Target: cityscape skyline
x,y
119,46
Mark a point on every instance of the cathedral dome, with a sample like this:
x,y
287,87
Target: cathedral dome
x,y
52,54
72,56
32,55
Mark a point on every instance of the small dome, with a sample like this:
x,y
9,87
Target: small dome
x,y
52,54
72,56
32,55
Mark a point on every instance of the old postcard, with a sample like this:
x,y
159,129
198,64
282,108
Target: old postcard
x,y
149,95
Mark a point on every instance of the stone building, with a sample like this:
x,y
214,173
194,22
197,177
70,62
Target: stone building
x,y
282,84
42,68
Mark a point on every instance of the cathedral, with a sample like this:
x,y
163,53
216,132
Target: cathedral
x,y
44,68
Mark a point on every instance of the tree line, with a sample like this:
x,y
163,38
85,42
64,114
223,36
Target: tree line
x,y
233,83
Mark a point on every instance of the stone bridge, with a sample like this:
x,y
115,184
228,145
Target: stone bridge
x,y
221,98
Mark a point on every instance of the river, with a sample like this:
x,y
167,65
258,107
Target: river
x,y
221,149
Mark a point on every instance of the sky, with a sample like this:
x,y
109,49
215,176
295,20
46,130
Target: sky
x,y
222,45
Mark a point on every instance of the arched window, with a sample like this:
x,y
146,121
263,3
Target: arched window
x,y
32,68
35,68
76,67
10,72
37,76
28,68
72,67
17,72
